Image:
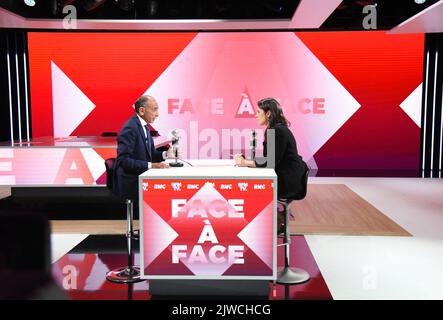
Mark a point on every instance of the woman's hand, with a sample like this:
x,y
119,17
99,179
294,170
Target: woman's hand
x,y
240,160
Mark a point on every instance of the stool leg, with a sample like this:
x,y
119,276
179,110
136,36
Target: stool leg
x,y
129,231
130,273
289,275
287,237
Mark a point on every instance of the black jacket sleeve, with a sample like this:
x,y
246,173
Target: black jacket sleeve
x,y
281,142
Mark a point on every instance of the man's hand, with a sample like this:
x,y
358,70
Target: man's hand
x,y
159,165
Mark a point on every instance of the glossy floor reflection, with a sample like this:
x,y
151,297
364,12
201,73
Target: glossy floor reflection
x,y
82,272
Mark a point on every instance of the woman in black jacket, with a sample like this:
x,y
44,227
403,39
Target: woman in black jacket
x,y
289,165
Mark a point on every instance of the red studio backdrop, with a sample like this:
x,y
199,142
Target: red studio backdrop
x,y
353,98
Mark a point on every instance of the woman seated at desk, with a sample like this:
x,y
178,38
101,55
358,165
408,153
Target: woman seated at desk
x,y
289,165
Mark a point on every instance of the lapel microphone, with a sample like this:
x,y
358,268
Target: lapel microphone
x,y
253,144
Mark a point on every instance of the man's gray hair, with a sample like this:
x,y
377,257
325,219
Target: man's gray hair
x,y
142,102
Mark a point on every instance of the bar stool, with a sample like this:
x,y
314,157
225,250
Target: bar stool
x,y
129,273
290,275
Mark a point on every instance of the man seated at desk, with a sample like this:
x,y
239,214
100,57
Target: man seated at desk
x,y
136,151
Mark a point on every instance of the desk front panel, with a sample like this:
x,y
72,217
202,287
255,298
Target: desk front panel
x,y
207,228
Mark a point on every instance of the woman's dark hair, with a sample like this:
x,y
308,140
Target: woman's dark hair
x,y
277,116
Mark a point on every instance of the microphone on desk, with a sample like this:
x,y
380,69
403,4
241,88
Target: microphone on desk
x,y
175,140
253,144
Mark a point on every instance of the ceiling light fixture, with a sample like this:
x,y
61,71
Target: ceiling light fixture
x,y
30,3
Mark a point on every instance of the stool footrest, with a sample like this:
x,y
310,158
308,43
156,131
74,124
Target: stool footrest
x,y
133,235
292,276
125,275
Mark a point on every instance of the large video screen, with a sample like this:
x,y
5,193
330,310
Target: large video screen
x,y
353,98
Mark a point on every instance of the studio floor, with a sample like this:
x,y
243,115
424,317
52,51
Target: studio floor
x,y
359,238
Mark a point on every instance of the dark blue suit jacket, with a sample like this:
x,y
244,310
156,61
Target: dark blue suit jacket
x,y
133,155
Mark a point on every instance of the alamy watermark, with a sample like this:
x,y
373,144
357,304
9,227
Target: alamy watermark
x,y
70,18
370,20
70,277
369,277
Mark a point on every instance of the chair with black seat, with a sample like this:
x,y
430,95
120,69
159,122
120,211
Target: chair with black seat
x,y
129,273
290,275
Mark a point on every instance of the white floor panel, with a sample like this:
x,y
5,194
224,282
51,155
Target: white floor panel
x,y
61,244
413,203
356,267
362,267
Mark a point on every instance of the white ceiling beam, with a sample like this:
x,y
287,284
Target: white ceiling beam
x,y
429,20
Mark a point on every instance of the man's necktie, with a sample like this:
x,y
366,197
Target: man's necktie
x,y
148,138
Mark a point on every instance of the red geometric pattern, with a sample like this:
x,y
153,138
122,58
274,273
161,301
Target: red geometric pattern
x,y
380,71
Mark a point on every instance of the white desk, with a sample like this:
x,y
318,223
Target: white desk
x,y
208,168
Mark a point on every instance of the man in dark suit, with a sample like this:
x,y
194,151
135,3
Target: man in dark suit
x,y
136,151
